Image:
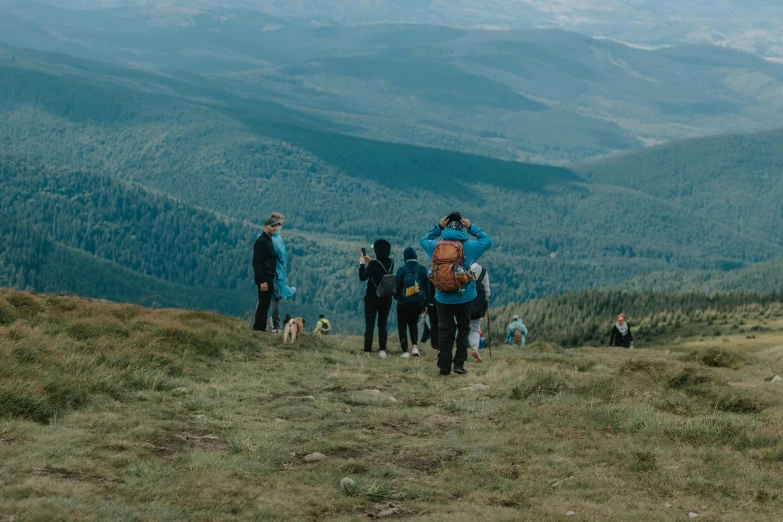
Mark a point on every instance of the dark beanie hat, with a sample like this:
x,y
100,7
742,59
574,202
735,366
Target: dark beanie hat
x,y
410,253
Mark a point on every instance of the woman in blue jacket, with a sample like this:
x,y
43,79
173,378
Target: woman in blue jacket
x,y
413,287
282,290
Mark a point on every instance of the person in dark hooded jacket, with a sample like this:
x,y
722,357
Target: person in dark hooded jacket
x,y
412,298
372,271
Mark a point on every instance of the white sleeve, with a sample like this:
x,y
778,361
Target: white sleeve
x,y
486,285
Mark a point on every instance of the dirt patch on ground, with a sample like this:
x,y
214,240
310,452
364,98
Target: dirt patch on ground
x,y
442,420
346,453
8,438
744,385
387,510
79,476
168,444
203,442
426,463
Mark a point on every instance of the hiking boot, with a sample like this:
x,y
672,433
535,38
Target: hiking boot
x,y
366,354
382,354
477,357
405,355
445,371
415,352
275,331
460,370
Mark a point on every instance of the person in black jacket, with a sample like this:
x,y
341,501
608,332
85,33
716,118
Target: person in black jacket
x,y
372,271
431,321
413,289
621,334
265,271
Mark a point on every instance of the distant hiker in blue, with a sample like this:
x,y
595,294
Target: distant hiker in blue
x,y
516,332
282,290
452,255
412,296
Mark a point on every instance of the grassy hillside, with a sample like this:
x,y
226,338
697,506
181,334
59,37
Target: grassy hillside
x,y
117,412
96,144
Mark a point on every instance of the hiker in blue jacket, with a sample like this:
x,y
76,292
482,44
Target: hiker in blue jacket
x,y
413,287
282,290
455,305
515,325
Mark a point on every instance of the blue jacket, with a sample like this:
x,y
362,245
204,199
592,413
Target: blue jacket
x,y
510,331
473,250
424,282
282,290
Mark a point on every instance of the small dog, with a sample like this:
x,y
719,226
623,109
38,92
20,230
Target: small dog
x,y
293,330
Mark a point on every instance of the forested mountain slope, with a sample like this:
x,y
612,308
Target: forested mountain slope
x,y
545,95
72,231
75,134
738,180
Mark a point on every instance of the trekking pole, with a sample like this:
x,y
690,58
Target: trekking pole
x,y
489,333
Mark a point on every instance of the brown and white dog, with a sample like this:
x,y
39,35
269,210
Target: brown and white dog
x,y
293,330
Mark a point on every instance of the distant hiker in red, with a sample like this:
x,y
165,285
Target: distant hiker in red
x,y
452,255
621,334
265,271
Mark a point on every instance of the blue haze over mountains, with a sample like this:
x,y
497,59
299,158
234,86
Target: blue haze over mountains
x,y
143,143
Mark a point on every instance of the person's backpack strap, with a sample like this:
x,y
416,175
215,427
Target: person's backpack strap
x,y
391,269
481,277
385,272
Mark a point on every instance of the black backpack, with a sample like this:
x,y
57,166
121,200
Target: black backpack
x,y
387,287
412,293
478,307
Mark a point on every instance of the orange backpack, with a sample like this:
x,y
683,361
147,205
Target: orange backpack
x,y
448,273
517,336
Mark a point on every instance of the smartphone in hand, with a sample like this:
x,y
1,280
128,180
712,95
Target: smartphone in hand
x,y
364,251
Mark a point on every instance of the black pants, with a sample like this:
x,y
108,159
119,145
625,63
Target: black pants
x,y
408,321
264,300
373,309
432,330
447,314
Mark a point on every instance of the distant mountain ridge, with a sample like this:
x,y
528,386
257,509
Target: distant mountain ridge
x,y
534,95
101,151
748,26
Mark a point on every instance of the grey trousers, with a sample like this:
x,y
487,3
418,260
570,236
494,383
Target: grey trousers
x,y
275,309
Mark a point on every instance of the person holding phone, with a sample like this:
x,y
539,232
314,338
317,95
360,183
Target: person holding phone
x,y
265,271
375,307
